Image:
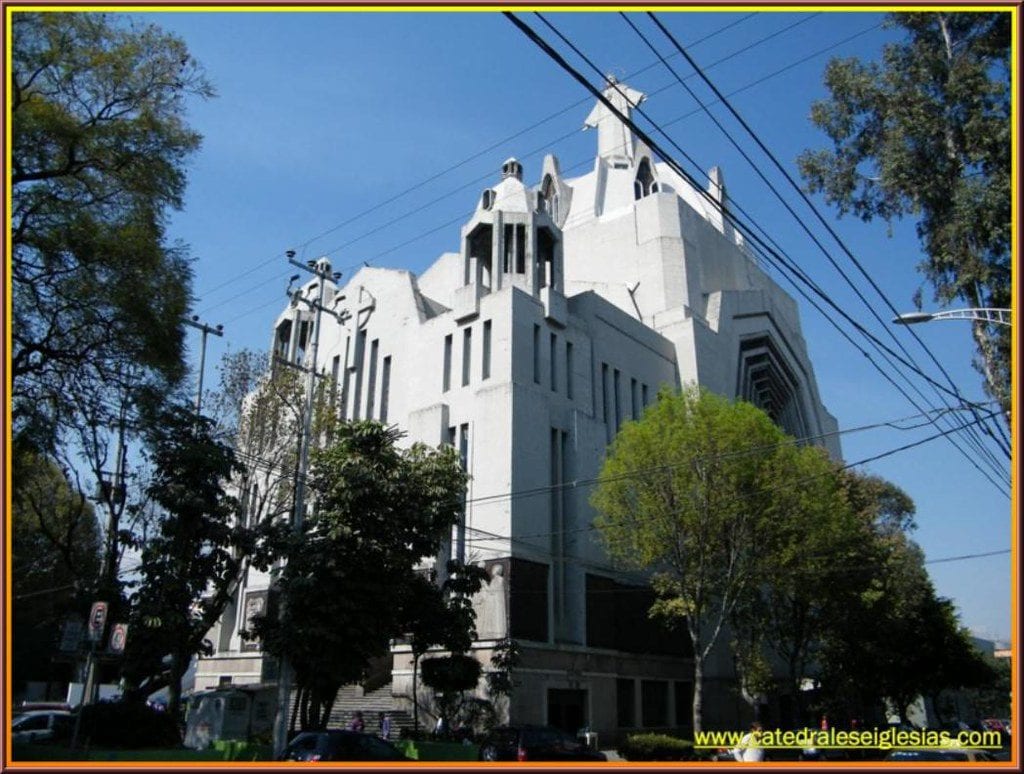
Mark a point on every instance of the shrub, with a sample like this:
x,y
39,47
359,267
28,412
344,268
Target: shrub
x,y
128,725
656,747
451,673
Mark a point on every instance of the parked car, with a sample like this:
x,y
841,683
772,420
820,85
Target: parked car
x,y
940,754
996,724
534,743
338,745
40,726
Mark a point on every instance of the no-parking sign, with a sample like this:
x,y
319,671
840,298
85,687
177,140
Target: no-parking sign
x,y
118,637
97,620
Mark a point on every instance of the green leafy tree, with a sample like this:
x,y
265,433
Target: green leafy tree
x,y
438,615
189,564
444,616
992,698
260,408
55,561
814,531
378,511
926,133
99,147
881,577
890,636
683,492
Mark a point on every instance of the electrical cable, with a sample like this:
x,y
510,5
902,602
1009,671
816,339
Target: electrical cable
x,y
675,166
478,154
972,439
803,195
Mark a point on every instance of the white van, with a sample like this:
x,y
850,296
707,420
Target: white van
x,y
236,712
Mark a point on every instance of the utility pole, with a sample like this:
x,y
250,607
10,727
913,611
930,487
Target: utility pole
x,y
217,331
322,271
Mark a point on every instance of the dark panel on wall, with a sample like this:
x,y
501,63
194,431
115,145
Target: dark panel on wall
x,y
528,600
617,618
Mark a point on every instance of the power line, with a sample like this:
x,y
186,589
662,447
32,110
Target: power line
x,y
546,146
677,168
806,199
979,447
539,149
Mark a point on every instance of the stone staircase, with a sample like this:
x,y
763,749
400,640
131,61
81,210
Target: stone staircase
x,y
353,697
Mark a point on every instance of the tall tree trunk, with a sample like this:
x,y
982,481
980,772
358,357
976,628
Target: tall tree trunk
x,y
174,684
698,689
798,699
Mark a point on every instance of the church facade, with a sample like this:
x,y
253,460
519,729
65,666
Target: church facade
x,y
569,304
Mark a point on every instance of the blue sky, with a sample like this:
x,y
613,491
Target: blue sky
x,y
323,115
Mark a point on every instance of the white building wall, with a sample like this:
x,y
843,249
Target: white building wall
x,y
657,291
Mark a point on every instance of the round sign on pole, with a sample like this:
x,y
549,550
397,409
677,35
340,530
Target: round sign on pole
x,y
118,637
97,620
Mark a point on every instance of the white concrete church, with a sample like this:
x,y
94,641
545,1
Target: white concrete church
x,y
569,304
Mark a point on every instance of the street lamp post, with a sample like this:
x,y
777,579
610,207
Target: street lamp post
x,y
994,316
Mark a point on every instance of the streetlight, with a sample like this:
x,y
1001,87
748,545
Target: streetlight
x,y
993,316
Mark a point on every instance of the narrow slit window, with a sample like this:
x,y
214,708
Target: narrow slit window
x,y
536,354
605,402
371,379
618,401
385,388
360,356
486,357
568,369
551,358
446,377
467,353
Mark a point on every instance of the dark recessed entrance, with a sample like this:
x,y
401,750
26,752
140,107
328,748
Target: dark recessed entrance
x,y
567,709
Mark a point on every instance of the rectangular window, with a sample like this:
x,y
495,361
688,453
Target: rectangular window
x,y
385,388
568,370
625,703
451,436
618,401
606,403
446,383
357,399
371,388
464,446
536,354
684,703
551,358
654,703
643,394
467,352
486,357
346,380
634,395
515,249
335,370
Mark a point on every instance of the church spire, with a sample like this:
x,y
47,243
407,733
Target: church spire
x,y
615,142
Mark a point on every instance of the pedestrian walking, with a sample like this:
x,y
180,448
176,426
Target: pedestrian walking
x,y
385,726
357,724
749,749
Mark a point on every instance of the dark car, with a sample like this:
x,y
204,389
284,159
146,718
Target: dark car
x,y
534,743
41,726
940,754
338,745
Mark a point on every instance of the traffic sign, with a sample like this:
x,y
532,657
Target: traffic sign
x,y
97,620
118,637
